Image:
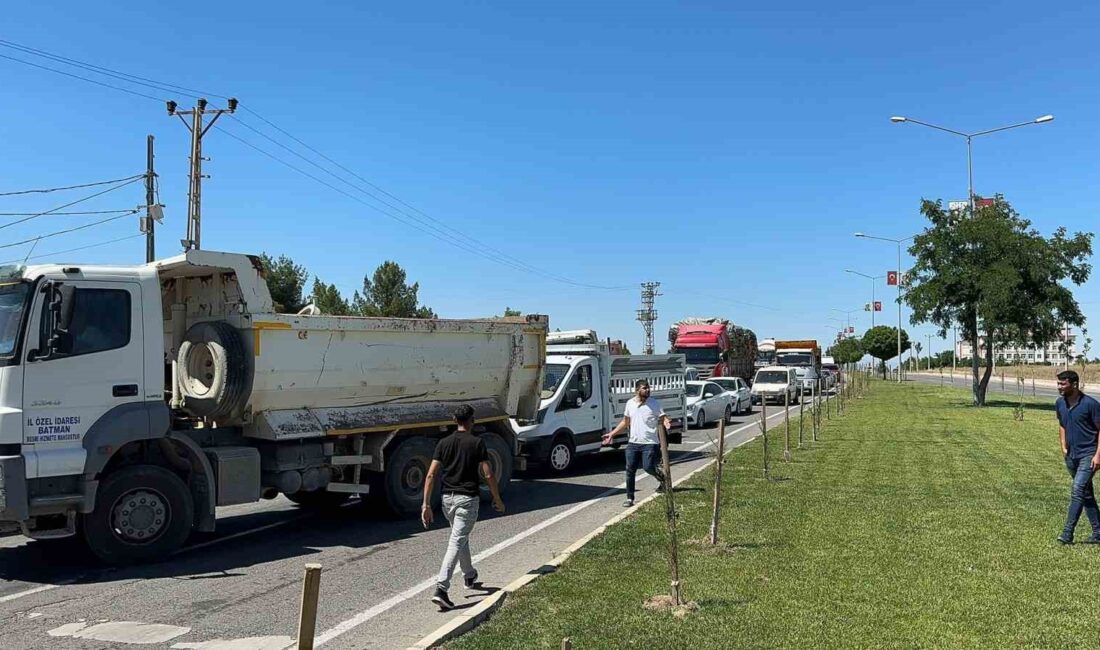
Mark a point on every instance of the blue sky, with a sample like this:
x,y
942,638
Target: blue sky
x,y
727,153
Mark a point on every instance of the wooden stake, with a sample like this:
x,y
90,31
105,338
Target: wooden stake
x,y
764,429
307,617
787,426
718,482
801,428
670,515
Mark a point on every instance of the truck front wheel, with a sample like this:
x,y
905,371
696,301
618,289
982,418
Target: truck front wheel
x,y
142,513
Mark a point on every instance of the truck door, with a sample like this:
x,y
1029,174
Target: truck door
x,y
580,408
96,367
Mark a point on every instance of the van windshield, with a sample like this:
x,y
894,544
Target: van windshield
x,y
555,373
13,302
771,377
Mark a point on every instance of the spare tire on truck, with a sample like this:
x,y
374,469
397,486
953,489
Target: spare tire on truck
x,y
213,370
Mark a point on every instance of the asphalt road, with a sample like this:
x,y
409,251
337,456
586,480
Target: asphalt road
x,y
239,589
1010,388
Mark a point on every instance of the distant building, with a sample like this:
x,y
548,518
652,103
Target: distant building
x,y
1051,353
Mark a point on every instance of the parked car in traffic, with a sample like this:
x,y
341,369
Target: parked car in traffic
x,y
835,369
776,384
807,378
828,379
707,402
740,393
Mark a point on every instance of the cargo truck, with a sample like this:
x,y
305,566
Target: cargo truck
x,y
135,400
805,357
715,347
584,395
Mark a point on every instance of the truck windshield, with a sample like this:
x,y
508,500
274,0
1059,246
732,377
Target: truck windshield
x,y
795,358
699,356
555,373
771,377
766,358
13,301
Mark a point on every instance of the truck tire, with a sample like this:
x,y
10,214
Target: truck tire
x,y
406,468
143,513
213,370
561,454
319,499
500,460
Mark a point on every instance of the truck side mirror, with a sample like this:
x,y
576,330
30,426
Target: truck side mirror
x,y
66,295
59,318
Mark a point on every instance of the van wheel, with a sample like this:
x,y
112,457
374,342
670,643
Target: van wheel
x,y
500,461
142,513
561,454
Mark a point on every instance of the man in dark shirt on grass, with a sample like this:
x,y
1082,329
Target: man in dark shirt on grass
x,y
459,457
1078,426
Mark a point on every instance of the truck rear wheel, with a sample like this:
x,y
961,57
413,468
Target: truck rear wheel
x,y
500,461
142,513
213,370
404,477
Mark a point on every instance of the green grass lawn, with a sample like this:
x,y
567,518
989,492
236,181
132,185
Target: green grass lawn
x,y
916,521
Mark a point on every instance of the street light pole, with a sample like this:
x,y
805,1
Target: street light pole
x,y
899,242
873,279
970,192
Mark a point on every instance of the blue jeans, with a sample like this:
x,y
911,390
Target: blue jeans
x,y
1081,496
646,456
461,512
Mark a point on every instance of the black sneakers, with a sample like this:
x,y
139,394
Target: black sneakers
x,y
1093,539
1065,539
472,582
442,601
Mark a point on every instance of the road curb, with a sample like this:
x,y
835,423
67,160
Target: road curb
x,y
486,607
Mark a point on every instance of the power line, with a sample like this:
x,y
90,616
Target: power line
x,y
64,214
436,225
78,248
76,76
107,72
71,203
71,187
448,232
68,230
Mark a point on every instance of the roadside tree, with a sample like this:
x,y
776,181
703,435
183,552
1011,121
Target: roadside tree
x,y
995,268
849,350
327,298
387,293
286,281
881,342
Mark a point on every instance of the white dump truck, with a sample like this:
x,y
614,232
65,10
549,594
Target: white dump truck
x,y
584,394
134,400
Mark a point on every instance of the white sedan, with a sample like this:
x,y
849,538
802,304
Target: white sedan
x,y
707,402
740,393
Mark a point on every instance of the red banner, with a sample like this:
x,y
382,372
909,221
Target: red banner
x,y
878,305
892,278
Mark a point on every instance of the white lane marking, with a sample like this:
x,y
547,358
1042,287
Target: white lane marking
x,y
390,603
28,592
249,643
122,632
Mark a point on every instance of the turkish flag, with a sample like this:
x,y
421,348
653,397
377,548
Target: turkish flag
x,y
892,278
878,305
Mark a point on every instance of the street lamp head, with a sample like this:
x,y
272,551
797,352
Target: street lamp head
x,y
1043,119
859,234
897,119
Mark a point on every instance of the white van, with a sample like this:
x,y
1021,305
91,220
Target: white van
x,y
584,394
777,384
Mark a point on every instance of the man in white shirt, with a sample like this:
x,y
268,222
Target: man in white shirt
x,y
644,446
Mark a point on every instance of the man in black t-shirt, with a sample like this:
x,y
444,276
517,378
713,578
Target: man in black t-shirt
x,y
459,457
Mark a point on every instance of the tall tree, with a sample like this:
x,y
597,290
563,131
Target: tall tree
x,y
849,350
993,267
286,281
387,293
327,298
881,342
509,312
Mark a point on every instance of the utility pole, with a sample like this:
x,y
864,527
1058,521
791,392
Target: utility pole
x,y
194,192
929,355
647,315
154,212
